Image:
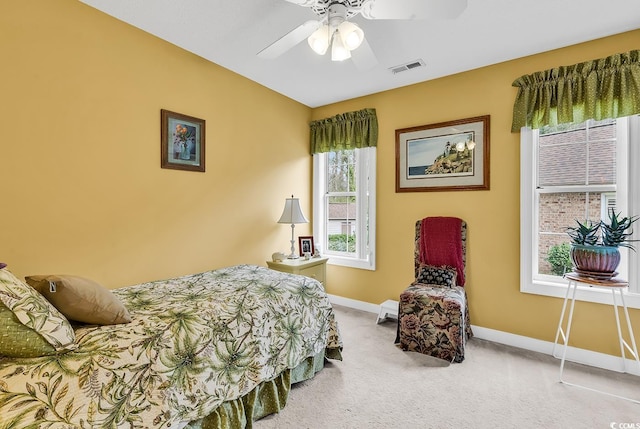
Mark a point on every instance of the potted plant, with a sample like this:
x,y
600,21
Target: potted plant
x,y
598,255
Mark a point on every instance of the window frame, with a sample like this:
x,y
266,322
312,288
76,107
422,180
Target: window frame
x,y
365,204
628,202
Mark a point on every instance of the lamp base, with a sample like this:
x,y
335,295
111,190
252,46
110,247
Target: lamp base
x,y
293,257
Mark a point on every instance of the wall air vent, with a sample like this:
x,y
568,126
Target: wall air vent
x,y
408,66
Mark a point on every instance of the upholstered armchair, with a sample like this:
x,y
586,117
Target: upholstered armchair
x,y
433,315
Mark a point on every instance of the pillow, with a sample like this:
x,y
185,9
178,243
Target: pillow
x,y
36,313
19,341
81,299
433,275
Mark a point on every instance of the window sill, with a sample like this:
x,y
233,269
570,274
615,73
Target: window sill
x,y
584,293
363,264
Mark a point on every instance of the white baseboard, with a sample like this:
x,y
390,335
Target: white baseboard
x,y
353,303
574,354
582,356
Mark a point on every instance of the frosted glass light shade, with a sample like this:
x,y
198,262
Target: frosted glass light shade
x,y
345,38
319,40
351,35
338,51
292,212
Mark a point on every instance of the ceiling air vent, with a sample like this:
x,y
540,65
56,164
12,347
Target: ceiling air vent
x,y
408,66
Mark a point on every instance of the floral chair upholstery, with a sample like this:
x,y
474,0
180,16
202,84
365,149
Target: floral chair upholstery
x,y
433,314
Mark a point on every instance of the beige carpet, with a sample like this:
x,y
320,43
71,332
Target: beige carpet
x,y
379,386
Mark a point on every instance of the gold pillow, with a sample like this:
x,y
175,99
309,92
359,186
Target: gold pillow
x,y
81,299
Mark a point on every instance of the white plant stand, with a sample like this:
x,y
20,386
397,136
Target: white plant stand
x,y
614,285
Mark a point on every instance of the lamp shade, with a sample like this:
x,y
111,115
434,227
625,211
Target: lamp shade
x,y
338,51
351,35
319,40
292,212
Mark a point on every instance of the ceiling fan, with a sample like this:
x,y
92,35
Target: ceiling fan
x,y
334,32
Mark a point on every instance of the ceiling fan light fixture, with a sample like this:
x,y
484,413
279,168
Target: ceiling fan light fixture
x,y
351,35
319,40
338,51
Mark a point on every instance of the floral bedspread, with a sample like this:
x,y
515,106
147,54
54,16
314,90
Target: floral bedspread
x,y
194,342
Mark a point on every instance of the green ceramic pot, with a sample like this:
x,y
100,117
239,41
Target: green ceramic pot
x,y
600,259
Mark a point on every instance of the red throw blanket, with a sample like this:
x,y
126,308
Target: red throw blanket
x,y
441,244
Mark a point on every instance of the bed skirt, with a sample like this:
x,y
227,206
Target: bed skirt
x,y
267,398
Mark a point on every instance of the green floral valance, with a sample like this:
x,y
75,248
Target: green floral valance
x,y
598,89
351,130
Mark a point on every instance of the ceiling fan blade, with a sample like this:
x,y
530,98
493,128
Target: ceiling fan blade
x,y
363,58
447,9
305,3
413,9
289,40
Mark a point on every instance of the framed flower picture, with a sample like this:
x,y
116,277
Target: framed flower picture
x,y
181,141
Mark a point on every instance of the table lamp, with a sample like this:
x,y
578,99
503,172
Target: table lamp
x,y
292,214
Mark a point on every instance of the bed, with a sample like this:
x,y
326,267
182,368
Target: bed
x,y
218,349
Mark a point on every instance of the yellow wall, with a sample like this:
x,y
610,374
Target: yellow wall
x,y
83,193
493,216
82,189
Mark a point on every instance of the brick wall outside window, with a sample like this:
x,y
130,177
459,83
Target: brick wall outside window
x,y
556,213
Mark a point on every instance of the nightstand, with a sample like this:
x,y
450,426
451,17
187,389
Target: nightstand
x,y
316,268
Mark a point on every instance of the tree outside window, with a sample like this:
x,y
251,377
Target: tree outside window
x,y
342,221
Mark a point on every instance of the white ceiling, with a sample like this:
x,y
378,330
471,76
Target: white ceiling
x,y
231,32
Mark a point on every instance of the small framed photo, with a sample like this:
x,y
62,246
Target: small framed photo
x,y
306,245
181,141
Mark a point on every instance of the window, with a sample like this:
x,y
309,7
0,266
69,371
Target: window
x,y
344,198
575,172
